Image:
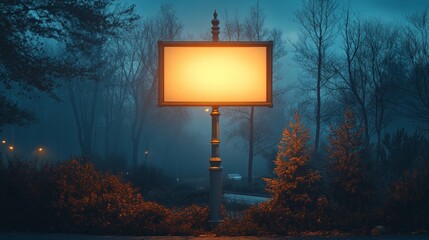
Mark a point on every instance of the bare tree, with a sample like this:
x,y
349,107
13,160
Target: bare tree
x,y
254,25
83,96
254,30
367,70
233,27
382,48
416,47
353,87
114,96
258,133
140,67
27,27
317,19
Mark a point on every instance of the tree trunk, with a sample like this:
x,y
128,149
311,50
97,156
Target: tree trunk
x,y
135,138
316,140
139,120
251,142
318,104
91,131
366,126
107,141
84,126
136,145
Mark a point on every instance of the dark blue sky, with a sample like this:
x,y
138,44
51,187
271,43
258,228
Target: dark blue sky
x,y
196,14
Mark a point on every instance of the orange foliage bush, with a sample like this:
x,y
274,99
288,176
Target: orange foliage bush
x,y
91,201
350,185
74,197
190,220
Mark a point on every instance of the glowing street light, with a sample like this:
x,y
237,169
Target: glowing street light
x,y
215,74
3,141
11,148
38,153
146,153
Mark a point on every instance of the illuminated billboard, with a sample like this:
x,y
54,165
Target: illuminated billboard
x,y
215,73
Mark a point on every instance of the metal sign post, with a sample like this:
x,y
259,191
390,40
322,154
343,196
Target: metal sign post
x,y
215,169
218,74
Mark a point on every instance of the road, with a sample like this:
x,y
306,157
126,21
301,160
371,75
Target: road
x,y
53,236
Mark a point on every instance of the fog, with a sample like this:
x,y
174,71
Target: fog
x,y
96,117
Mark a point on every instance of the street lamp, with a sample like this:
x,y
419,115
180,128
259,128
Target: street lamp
x,y
11,149
146,153
37,153
215,74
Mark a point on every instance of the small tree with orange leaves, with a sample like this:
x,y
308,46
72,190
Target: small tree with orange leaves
x,y
295,190
350,186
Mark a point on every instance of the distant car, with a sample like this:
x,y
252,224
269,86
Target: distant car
x,y
244,198
234,176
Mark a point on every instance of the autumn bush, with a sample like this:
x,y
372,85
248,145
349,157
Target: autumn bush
x,y
192,220
91,201
253,222
74,197
350,186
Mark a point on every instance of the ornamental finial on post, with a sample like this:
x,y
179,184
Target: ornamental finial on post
x,y
215,27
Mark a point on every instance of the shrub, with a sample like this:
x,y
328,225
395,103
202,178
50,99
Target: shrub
x,y
74,197
25,198
91,201
350,186
192,220
407,207
151,219
255,221
401,153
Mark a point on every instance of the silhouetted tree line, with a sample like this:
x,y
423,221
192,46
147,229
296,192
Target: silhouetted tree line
x,y
30,28
100,58
376,68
